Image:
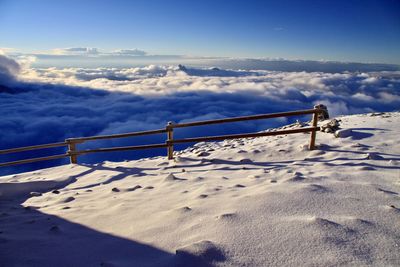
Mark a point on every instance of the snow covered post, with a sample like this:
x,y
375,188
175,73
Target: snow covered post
x,y
170,136
324,114
314,124
72,148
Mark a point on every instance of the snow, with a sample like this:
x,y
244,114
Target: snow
x,y
249,202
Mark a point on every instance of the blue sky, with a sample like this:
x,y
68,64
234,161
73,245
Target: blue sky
x,y
362,31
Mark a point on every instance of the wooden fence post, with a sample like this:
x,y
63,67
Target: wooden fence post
x,y
72,148
170,137
314,131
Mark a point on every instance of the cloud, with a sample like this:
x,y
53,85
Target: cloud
x,y
75,51
359,91
85,51
50,104
130,52
90,57
6,50
9,69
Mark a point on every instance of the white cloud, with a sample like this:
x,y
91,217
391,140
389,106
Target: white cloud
x,y
73,51
85,51
130,52
6,50
164,80
9,69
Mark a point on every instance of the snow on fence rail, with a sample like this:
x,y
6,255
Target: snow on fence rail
x,y
73,152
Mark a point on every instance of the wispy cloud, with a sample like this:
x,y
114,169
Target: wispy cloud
x,y
90,51
277,29
130,52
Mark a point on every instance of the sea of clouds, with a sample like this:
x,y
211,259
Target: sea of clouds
x,y
44,105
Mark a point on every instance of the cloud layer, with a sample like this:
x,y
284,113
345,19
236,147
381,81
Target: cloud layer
x,y
49,105
345,92
92,57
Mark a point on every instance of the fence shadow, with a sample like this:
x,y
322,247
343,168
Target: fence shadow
x,y
30,237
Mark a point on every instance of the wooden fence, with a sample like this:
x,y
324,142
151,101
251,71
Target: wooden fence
x,y
73,152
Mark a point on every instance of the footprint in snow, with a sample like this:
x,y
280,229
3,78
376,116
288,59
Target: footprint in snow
x,y
297,177
246,161
68,199
394,208
316,153
183,209
170,177
374,156
366,168
54,229
149,187
202,154
227,216
134,188
316,188
198,179
325,223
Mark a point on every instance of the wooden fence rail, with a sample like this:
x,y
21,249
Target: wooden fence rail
x,y
73,152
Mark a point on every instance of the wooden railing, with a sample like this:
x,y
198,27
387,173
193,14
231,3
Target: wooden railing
x,y
73,152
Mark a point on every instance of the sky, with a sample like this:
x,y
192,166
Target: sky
x,y
357,31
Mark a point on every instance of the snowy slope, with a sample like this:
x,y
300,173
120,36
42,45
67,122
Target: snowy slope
x,y
250,202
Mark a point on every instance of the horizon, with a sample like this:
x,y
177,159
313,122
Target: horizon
x,y
342,31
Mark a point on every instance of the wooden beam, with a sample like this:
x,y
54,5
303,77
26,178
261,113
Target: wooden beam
x,y
114,149
247,118
236,136
24,161
99,137
27,148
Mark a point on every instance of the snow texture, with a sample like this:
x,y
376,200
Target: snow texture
x,y
265,201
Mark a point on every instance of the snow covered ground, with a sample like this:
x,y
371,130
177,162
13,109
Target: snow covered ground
x,y
249,202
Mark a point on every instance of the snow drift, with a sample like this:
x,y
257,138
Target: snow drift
x,y
249,202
